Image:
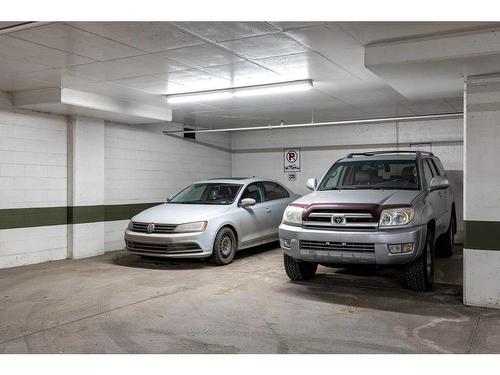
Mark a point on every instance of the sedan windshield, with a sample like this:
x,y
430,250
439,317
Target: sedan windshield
x,y
207,193
372,174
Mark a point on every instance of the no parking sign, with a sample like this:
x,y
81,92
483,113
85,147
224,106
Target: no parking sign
x,y
291,160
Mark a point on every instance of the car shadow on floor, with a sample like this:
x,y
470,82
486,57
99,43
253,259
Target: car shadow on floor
x,y
136,261
381,289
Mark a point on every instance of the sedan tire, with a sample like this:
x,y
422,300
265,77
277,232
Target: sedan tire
x,y
224,247
297,270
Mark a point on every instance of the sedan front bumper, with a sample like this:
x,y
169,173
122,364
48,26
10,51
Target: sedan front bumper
x,y
171,245
352,247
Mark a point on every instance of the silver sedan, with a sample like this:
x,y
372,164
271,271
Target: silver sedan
x,y
212,218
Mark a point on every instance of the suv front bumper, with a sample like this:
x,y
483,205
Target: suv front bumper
x,y
380,239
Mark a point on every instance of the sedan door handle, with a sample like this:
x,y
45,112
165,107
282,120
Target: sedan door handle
x,y
268,210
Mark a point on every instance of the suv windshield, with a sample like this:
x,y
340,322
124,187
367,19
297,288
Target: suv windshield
x,y
372,174
207,193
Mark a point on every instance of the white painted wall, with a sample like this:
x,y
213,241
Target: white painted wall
x,y
482,181
108,163
260,153
144,166
85,183
33,162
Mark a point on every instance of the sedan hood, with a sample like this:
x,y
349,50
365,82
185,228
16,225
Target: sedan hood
x,y
377,197
170,213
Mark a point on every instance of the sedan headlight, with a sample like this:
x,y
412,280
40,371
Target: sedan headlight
x,y
198,226
130,224
293,215
391,217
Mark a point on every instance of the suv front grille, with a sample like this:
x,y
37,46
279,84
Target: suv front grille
x,y
163,248
338,246
338,219
158,228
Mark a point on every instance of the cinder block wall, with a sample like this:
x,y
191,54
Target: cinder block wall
x,y
142,166
33,162
260,153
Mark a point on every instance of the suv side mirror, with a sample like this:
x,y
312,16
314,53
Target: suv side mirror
x,y
247,202
312,183
438,183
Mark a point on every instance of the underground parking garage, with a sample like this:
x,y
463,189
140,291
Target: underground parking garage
x,y
249,187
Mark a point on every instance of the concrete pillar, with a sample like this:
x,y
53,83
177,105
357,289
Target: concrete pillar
x,y
482,192
85,187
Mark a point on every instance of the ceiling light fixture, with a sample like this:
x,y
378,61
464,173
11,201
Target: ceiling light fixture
x,y
202,97
245,91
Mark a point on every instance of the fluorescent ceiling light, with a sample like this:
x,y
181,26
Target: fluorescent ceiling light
x,y
199,97
268,89
301,86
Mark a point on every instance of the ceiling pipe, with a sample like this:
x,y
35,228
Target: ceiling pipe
x,y
441,116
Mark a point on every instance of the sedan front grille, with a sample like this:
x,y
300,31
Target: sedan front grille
x,y
158,228
338,246
147,247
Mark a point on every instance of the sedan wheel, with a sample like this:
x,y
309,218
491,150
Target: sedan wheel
x,y
224,247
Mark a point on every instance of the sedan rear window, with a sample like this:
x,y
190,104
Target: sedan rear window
x,y
207,193
372,174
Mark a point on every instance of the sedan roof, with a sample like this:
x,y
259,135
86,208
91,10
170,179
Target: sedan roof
x,y
230,180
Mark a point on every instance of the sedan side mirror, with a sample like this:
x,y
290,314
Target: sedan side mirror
x,y
247,202
168,199
312,183
438,183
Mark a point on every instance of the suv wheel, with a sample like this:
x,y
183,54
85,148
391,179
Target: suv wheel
x,y
445,246
299,271
419,274
224,247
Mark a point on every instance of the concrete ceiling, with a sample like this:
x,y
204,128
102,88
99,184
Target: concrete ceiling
x,y
140,61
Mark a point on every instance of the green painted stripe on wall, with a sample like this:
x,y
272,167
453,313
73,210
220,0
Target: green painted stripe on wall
x,y
482,235
85,214
44,216
125,211
32,217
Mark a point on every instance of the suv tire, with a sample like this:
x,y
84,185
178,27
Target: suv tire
x,y
445,246
297,270
224,247
419,274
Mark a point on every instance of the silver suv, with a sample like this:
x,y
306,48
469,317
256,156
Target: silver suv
x,y
388,208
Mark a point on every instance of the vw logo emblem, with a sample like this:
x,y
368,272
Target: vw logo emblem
x,y
338,219
151,227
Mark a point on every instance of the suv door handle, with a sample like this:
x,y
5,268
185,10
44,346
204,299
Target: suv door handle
x,y
268,210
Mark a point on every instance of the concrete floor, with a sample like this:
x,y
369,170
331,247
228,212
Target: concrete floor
x,y
120,303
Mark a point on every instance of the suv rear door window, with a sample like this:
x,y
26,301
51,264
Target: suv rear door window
x,y
433,167
439,167
427,172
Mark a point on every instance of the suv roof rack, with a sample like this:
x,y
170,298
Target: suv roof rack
x,y
371,153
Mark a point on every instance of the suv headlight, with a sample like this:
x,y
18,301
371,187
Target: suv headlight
x,y
130,224
396,216
197,226
293,215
